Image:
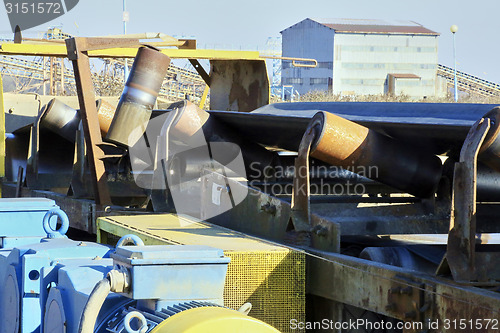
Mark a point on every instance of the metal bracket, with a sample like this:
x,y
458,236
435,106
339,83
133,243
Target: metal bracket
x,y
465,264
407,300
301,214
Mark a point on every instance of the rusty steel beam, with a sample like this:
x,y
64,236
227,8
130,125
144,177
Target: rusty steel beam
x,y
344,143
77,53
400,293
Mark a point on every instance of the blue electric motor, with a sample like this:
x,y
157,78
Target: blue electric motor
x,y
49,283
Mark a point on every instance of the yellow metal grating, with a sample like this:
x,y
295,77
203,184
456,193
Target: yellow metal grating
x,y
269,276
272,281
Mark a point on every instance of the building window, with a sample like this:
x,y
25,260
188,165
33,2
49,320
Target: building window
x,y
366,48
354,65
318,80
293,80
365,82
325,64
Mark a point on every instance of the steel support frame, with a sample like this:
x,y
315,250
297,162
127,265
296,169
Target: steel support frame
x,y
77,49
466,264
387,290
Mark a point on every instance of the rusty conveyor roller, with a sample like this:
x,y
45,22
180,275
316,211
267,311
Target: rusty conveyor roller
x,y
139,96
63,120
436,127
341,142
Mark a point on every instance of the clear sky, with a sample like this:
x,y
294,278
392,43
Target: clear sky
x,y
250,23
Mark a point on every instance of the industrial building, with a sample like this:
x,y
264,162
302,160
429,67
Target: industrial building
x,y
363,57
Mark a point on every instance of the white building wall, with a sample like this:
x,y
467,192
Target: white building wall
x,y
363,61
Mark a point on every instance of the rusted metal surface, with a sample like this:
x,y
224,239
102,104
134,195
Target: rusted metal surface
x,y
97,43
77,53
487,181
466,264
339,141
347,144
105,113
238,85
399,293
139,96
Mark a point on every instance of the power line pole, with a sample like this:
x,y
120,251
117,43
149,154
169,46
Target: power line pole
x,y
126,18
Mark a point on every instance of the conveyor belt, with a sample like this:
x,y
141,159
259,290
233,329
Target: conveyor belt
x,y
438,127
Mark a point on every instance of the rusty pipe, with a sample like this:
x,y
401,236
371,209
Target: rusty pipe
x,y
138,97
356,148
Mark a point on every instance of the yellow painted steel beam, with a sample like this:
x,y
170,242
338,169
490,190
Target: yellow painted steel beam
x,y
59,50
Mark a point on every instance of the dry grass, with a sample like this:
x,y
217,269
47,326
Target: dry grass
x,y
324,96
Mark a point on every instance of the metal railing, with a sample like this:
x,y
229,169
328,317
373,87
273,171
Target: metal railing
x,y
469,83
178,83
